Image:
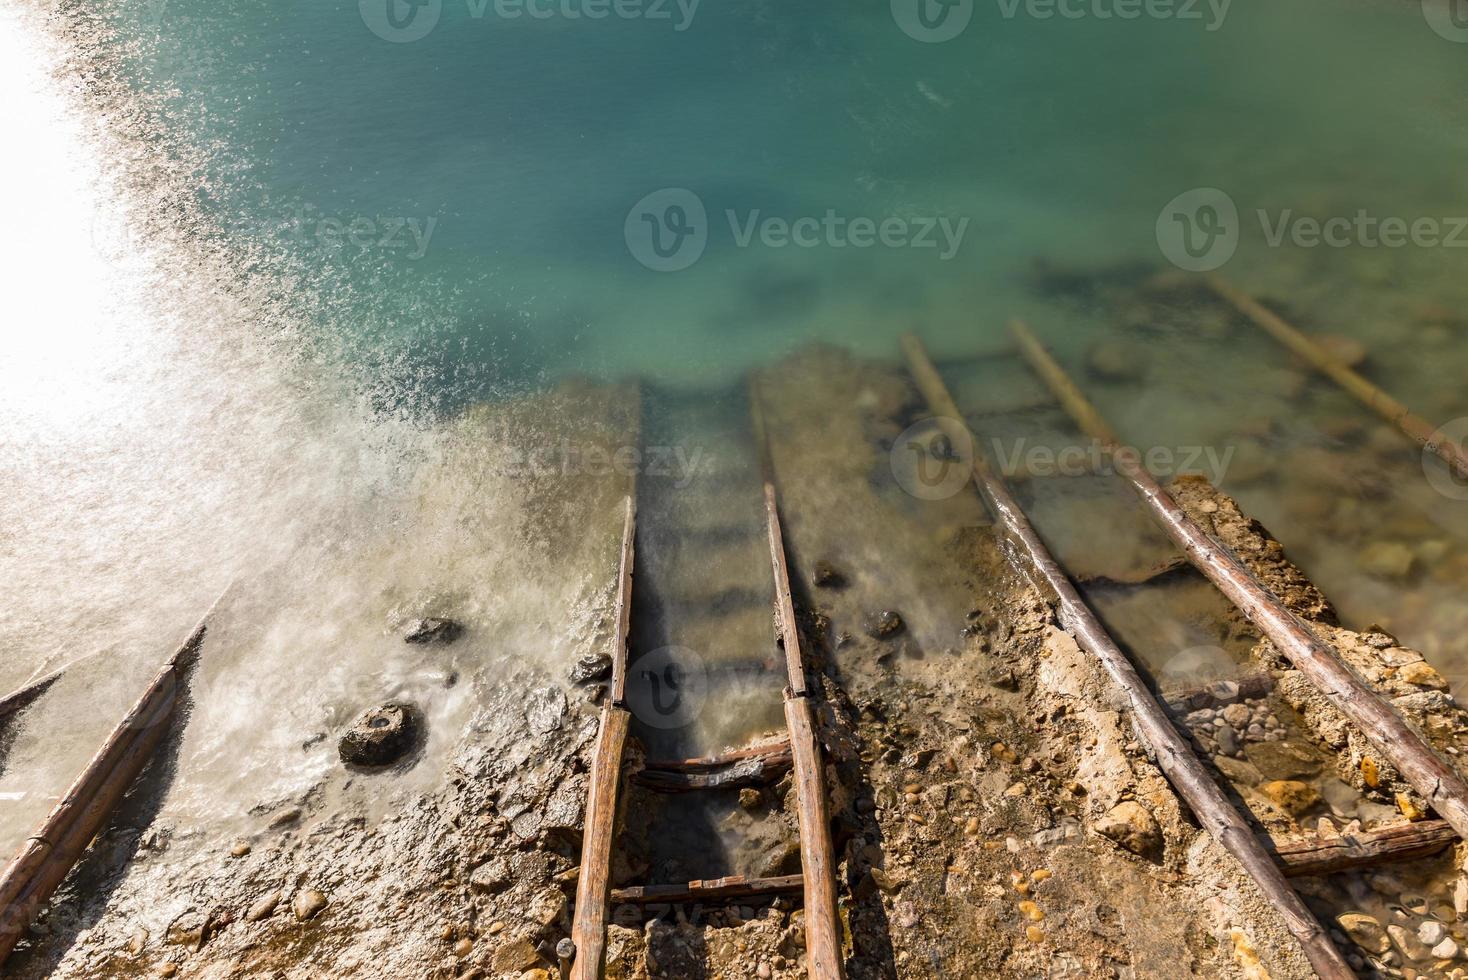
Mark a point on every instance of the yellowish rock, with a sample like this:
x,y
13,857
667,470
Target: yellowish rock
x,y
1035,934
1369,772
1422,675
1291,795
1409,808
1246,957
1031,911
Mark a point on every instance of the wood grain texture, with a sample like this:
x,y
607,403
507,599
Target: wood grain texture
x,y
593,887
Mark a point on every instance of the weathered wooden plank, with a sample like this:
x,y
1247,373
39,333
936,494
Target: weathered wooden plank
x,y
817,858
1415,427
1438,782
1171,749
624,600
717,889
1319,854
589,925
48,855
760,769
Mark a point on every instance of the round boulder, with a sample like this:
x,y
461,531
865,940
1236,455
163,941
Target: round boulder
x,y
381,736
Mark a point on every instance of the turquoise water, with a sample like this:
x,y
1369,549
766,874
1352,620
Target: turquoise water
x,y
491,164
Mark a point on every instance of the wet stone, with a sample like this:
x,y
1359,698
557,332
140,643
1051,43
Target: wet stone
x,y
381,736
1364,931
885,624
545,709
1291,796
827,576
434,631
591,667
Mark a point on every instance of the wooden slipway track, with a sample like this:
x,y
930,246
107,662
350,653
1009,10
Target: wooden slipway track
x,y
49,854
800,751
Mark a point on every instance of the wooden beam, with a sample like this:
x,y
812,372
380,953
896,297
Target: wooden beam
x,y
1415,427
748,769
1323,855
768,746
817,857
1438,782
49,854
817,854
593,887
1173,752
732,888
624,600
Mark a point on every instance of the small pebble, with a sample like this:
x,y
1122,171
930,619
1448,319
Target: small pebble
x,y
463,947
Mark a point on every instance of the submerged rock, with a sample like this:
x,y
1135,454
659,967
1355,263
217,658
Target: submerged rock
x,y
1387,559
828,576
885,624
1291,795
1132,826
437,631
381,736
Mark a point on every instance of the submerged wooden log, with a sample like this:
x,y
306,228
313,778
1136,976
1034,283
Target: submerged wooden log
x,y
26,695
1170,747
750,767
1322,855
589,925
49,854
624,600
718,889
1438,782
1415,427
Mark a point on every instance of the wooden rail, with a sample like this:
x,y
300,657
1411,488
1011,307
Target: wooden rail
x,y
817,854
1323,855
49,854
1415,427
1171,749
719,889
1397,741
